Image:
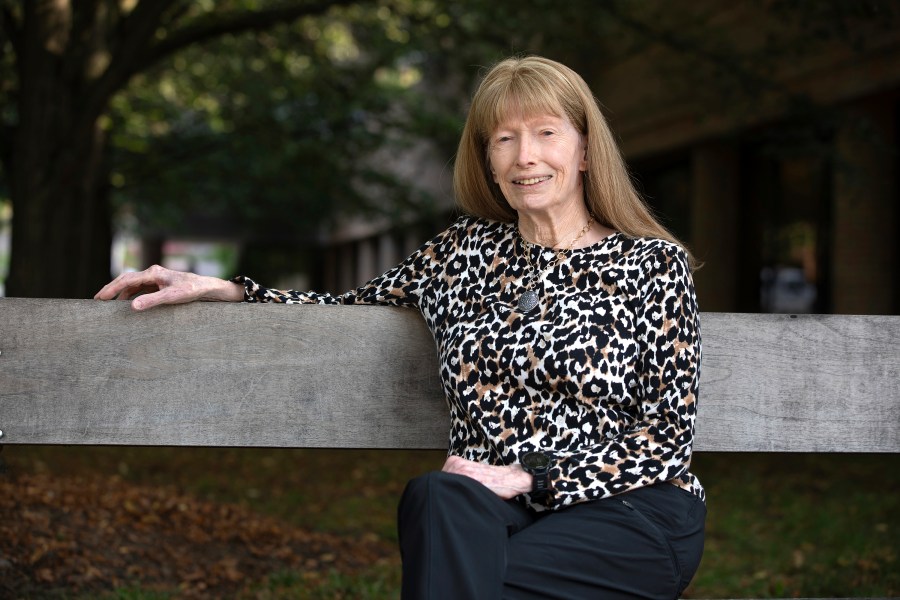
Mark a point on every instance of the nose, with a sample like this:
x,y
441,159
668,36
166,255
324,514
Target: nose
x,y
526,149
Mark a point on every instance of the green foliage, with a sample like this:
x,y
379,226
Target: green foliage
x,y
278,130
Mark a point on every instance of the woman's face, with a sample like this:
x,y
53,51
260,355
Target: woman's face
x,y
538,163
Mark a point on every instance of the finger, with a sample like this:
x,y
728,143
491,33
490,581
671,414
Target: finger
x,y
167,295
147,301
132,293
128,284
110,290
126,292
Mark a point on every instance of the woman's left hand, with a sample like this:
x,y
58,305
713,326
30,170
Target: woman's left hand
x,y
505,481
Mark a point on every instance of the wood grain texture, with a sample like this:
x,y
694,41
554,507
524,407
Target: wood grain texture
x,y
804,383
86,372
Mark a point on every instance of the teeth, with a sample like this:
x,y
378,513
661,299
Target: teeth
x,y
533,180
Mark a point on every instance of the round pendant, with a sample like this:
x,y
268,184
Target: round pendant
x,y
528,301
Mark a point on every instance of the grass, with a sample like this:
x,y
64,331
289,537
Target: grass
x,y
288,585
800,526
371,585
778,525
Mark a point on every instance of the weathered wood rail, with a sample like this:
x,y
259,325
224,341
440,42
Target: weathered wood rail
x,y
87,372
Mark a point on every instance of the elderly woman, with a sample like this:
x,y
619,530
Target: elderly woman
x,y
566,328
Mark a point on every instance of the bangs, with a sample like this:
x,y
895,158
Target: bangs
x,y
524,94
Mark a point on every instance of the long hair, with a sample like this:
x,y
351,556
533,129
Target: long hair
x,y
532,85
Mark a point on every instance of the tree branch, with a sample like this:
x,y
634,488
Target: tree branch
x,y
133,36
135,53
235,22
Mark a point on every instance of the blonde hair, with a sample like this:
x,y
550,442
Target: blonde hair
x,y
533,85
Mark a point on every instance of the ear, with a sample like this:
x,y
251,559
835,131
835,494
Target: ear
x,y
582,166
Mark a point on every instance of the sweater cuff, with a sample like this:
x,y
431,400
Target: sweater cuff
x,y
251,288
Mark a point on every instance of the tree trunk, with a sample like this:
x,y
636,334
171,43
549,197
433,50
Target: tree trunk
x,y
61,229
71,58
62,226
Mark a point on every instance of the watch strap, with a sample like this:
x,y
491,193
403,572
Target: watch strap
x,y
538,465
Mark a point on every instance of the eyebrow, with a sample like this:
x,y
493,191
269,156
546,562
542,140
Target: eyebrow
x,y
537,122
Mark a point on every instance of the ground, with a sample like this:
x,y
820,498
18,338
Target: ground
x,y
142,523
93,534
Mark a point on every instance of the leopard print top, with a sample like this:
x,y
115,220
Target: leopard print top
x,y
603,375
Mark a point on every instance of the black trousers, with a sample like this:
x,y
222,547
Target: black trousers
x,y
460,541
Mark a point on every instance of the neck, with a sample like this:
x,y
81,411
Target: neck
x,y
553,232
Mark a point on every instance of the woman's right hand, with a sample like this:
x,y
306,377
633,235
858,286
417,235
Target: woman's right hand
x,y
158,285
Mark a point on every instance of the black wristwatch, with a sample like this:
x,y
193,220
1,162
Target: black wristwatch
x,y
538,464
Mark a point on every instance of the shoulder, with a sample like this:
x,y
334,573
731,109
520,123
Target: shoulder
x,y
475,232
655,266
653,254
468,239
480,227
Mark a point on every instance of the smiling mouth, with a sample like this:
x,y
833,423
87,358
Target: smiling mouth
x,y
532,180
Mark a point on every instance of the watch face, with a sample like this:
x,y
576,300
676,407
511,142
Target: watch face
x,y
535,460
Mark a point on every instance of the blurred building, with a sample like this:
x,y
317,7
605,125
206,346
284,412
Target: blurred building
x,y
776,160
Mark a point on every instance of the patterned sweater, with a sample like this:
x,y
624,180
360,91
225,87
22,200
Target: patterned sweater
x,y
603,374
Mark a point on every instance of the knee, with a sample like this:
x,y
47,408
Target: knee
x,y
415,495
439,489
428,485
420,494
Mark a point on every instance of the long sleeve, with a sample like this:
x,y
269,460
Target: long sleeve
x,y
402,285
657,445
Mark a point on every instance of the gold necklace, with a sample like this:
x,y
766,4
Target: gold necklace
x,y
529,298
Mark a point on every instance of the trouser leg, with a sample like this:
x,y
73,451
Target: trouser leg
x,y
460,541
642,544
453,538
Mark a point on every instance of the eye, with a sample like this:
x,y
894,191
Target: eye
x,y
547,133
